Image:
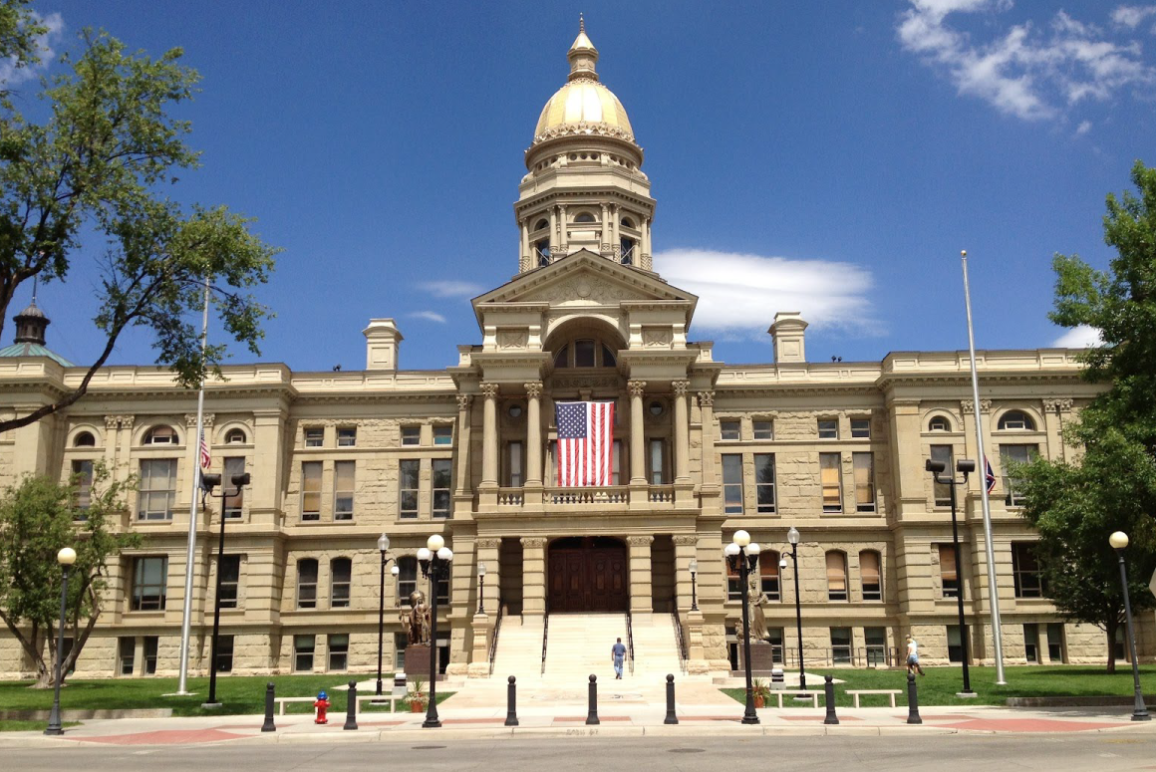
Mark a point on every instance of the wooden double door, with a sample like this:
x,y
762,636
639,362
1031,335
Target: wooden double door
x,y
590,578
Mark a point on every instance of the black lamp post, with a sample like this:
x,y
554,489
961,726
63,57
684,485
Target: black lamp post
x,y
66,557
481,588
793,538
382,547
939,472
1119,542
743,556
693,585
435,559
208,483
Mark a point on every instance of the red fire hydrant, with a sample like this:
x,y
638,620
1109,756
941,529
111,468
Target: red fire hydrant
x,y
322,706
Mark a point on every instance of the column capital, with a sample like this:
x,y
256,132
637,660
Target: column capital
x,y
191,420
533,389
706,399
534,542
489,390
464,401
111,421
636,388
685,541
126,421
639,541
488,544
1058,405
680,388
969,406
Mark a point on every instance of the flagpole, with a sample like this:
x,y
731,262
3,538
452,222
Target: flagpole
x,y
992,588
186,622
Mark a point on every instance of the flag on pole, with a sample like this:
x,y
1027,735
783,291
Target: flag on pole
x,y
988,475
206,457
585,443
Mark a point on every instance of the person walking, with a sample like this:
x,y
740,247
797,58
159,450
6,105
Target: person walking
x,y
913,665
618,656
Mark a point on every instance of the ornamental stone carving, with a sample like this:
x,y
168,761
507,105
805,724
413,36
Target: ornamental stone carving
x,y
969,406
489,390
533,542
111,421
706,399
533,389
685,541
680,388
191,420
584,290
464,401
1058,405
639,541
513,338
488,544
656,337
585,382
636,388
126,421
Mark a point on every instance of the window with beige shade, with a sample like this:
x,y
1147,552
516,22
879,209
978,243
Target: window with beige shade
x,y
836,575
870,575
311,490
831,477
948,571
864,464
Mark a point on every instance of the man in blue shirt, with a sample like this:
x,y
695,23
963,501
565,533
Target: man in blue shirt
x,y
617,655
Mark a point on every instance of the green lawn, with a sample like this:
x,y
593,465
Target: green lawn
x,y
29,726
238,694
940,684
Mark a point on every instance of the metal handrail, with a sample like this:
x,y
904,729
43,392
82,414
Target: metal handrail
x,y
497,630
679,639
545,636
630,639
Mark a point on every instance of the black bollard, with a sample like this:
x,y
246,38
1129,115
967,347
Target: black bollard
x,y
670,717
912,701
592,716
512,703
270,694
829,696
351,706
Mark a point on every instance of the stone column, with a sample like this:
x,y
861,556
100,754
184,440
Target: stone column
x,y
645,260
533,433
706,407
1054,420
563,236
685,546
533,576
604,241
681,433
637,434
554,241
490,436
616,238
526,263
465,401
483,623
641,600
266,467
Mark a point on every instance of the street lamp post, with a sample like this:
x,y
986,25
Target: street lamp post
x,y
66,557
481,588
793,538
435,559
208,483
938,471
743,555
1119,542
693,585
382,547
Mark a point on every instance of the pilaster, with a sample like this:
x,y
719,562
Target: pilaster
x,y
641,594
533,576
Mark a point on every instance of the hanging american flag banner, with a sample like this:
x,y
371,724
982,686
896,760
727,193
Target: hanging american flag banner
x,y
585,443
206,457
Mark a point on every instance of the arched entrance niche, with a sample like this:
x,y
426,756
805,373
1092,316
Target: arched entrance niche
x,y
584,343
588,573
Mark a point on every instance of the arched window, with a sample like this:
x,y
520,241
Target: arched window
x,y
769,574
1016,420
870,575
627,222
584,217
84,440
585,352
235,437
562,359
542,224
627,251
307,583
836,575
608,359
340,576
161,435
939,424
406,578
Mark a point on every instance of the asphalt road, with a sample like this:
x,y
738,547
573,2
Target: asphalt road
x,y
941,753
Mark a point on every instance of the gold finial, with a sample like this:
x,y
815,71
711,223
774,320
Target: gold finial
x,y
581,23
963,252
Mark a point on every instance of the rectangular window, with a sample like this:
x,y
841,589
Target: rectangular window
x,y
942,453
346,436
954,644
732,464
314,437
234,465
158,489
864,464
948,572
831,476
340,577
841,645
150,579
407,485
515,453
861,428
764,430
303,646
775,636
411,435
656,460
344,484
765,482
730,430
734,585
1009,456
443,434
311,490
583,353
307,583
406,579
400,641
230,569
82,475
126,655
1032,643
836,575
1055,641
870,574
338,652
616,460
442,471
769,575
1029,583
828,428
875,641
151,646
224,654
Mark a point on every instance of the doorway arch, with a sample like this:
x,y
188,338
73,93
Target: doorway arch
x,y
588,574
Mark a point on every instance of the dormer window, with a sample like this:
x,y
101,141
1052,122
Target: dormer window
x,y
161,435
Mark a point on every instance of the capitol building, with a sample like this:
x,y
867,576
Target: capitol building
x,y
701,449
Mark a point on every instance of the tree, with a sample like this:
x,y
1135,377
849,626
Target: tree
x,y
98,164
19,30
1076,506
38,517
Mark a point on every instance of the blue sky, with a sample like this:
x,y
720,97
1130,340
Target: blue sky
x,y
831,158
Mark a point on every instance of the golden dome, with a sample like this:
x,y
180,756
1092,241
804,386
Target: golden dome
x,y
583,105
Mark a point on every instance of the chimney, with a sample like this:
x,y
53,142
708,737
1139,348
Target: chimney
x,y
787,334
381,342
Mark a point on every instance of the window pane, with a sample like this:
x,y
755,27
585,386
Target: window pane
x,y
234,465
861,427
836,576
732,483
406,578
311,490
828,429
307,583
230,578
344,475
948,571
731,430
410,435
150,579
942,453
314,437
341,571
864,464
158,485
764,430
443,435
831,478
869,571
441,486
82,472
408,484
346,437
583,353
515,464
656,462
765,481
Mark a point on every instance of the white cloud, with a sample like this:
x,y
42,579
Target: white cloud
x,y
739,294
1078,337
1132,16
432,316
451,289
11,75
1083,128
1031,72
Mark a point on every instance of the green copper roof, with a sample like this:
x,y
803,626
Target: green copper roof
x,y
33,350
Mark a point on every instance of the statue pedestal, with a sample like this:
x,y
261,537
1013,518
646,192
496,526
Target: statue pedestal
x,y
762,658
417,663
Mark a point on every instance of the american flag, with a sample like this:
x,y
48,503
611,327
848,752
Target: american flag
x,y
988,475
585,443
206,457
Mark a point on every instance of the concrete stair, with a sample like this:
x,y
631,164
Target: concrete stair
x,y
519,648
